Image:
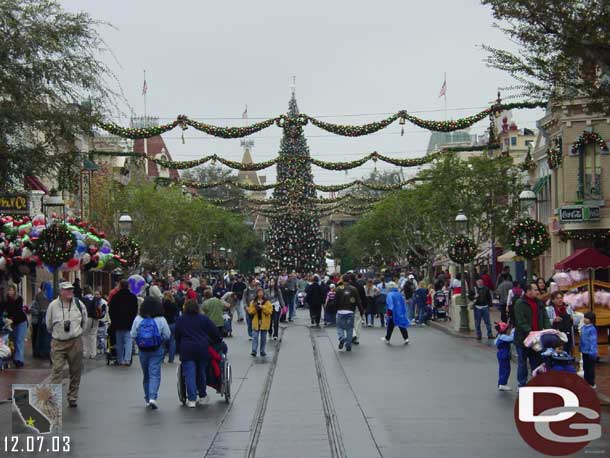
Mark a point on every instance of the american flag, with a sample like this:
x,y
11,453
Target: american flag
x,y
144,87
244,115
443,88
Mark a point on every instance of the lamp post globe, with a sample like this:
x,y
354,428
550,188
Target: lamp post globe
x,y
54,207
125,224
461,223
527,199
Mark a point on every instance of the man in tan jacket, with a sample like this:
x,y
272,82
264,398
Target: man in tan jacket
x,y
66,320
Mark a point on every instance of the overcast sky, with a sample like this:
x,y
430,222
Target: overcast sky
x,y
354,61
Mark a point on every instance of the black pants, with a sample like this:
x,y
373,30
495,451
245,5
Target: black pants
x,y
588,363
275,324
314,313
503,313
403,331
511,315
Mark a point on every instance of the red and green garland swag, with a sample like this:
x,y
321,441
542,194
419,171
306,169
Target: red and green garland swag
x,y
589,234
554,155
462,250
230,132
128,250
529,238
55,245
135,133
587,138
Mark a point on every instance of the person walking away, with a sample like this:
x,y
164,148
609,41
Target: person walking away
x,y
170,312
530,315
123,309
330,307
396,313
420,299
13,308
588,347
482,302
347,300
94,313
359,317
291,288
503,342
503,291
513,295
41,339
229,301
315,298
371,292
562,320
238,288
504,276
66,319
260,310
213,308
301,284
150,331
408,290
195,333
249,296
277,300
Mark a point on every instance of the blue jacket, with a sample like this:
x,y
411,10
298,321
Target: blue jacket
x,y
588,340
396,304
503,343
421,296
194,334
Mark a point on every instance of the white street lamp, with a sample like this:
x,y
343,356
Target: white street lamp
x,y
461,221
527,198
125,224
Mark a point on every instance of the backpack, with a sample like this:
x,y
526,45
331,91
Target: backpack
x,y
148,337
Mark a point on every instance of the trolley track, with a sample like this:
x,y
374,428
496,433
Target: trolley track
x,y
335,438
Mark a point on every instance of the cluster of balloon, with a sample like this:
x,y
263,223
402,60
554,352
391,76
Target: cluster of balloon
x,y
137,284
16,249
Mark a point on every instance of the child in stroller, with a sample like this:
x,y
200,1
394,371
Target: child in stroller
x,y
440,306
554,356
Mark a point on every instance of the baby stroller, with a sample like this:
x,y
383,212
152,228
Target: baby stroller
x,y
440,307
301,300
102,333
554,360
5,351
111,348
227,324
218,375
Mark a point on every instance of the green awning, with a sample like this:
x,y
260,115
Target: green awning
x,y
541,183
88,164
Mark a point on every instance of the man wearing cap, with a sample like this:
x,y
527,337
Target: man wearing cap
x,y
66,320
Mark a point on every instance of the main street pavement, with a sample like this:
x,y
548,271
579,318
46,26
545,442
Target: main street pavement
x,y
433,398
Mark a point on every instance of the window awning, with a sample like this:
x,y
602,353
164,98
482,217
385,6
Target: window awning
x,y
34,183
541,183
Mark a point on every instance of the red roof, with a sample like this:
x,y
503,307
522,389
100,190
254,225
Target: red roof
x,y
585,258
155,146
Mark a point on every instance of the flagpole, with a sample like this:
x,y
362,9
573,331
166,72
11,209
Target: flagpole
x,y
445,80
144,91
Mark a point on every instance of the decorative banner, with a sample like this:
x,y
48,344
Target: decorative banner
x,y
529,238
587,138
462,250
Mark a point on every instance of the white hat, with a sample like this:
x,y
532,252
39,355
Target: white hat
x,y
391,285
411,277
66,285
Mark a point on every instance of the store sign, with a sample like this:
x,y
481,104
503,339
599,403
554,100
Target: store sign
x,y
13,204
577,214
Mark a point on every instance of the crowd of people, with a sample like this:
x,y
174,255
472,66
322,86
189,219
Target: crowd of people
x,y
191,318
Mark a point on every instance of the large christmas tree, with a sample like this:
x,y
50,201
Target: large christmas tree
x,y
295,242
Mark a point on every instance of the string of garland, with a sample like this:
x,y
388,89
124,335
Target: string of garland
x,y
284,121
529,238
554,155
462,250
230,132
135,133
587,138
55,245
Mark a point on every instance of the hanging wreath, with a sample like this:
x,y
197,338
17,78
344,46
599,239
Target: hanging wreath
x,y
462,250
529,238
554,155
128,250
587,138
55,245
183,265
